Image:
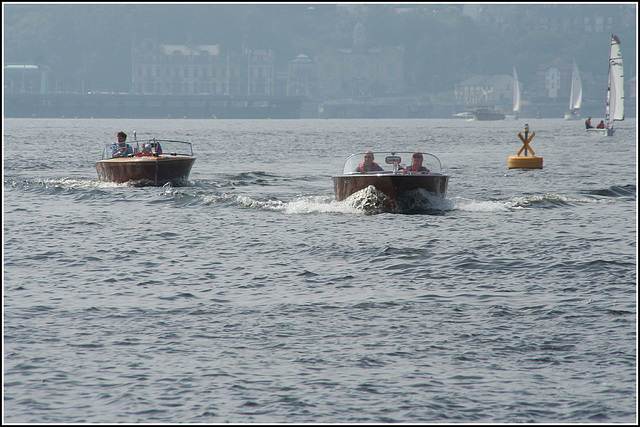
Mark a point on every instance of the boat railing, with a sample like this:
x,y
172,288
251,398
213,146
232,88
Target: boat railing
x,y
153,147
392,162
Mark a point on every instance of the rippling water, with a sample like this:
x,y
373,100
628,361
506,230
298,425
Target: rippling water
x,y
251,295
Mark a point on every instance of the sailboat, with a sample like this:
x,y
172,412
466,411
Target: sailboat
x,y
615,89
516,96
575,99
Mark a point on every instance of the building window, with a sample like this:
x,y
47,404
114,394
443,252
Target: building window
x,y
328,71
609,23
391,72
599,24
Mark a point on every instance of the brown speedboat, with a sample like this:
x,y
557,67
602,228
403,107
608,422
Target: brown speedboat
x,y
486,113
153,162
395,183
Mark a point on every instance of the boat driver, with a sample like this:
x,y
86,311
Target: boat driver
x,y
121,149
416,164
368,165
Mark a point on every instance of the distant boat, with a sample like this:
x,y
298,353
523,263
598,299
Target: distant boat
x,y
486,113
464,115
575,99
516,96
615,89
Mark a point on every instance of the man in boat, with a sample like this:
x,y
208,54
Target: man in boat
x,y
368,165
601,125
416,164
121,149
587,123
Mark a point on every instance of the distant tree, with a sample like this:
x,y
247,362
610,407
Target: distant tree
x,y
442,46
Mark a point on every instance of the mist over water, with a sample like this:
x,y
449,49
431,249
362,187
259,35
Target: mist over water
x,y
252,295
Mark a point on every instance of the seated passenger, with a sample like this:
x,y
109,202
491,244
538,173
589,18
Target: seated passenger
x,y
157,148
587,123
600,125
121,148
147,150
368,165
416,164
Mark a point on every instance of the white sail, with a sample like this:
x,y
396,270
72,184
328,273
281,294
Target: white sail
x,y
516,92
575,101
615,92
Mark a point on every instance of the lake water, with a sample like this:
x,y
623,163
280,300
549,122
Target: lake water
x,y
252,296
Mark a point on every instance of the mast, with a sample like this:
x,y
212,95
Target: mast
x,y
516,92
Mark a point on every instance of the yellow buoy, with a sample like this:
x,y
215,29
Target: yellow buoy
x,y
530,162
526,161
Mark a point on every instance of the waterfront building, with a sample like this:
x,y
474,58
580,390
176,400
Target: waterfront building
x,y
302,77
360,70
496,90
200,69
26,78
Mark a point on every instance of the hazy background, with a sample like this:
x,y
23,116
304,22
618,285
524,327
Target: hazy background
x,y
90,45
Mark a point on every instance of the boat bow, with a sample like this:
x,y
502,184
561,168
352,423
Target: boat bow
x,y
396,181
154,162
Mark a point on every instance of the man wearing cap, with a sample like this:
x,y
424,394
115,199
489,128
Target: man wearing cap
x,y
416,164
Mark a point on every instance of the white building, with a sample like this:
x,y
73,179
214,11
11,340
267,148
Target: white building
x,y
553,80
496,90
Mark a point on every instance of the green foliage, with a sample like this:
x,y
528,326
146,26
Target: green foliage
x,y
91,43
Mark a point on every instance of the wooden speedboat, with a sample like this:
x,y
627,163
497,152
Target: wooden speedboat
x,y
395,183
486,113
153,162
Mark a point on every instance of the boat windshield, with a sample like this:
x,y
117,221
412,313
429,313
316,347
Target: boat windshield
x,y
391,162
152,147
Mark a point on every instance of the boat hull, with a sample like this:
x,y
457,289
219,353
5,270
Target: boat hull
x,y
463,115
488,115
394,187
605,131
146,170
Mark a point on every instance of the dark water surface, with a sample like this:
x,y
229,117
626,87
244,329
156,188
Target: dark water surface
x,y
251,295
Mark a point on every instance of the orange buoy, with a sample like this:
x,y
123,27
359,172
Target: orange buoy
x,y
527,161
